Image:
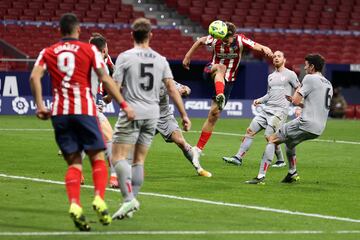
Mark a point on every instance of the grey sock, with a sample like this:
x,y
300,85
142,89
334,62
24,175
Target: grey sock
x,y
266,159
244,147
83,155
137,178
291,156
189,155
123,172
278,153
108,155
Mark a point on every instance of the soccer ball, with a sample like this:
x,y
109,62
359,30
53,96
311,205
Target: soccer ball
x,y
218,29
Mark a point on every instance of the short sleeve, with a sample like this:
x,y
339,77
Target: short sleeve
x,y
294,81
120,68
40,61
246,41
210,41
97,61
306,87
167,70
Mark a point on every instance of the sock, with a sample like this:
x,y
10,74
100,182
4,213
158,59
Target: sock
x,y
108,155
189,156
266,159
83,155
72,184
245,146
219,87
100,177
291,156
137,178
123,172
204,138
279,154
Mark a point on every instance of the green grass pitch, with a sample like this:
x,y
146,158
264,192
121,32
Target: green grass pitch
x,y
215,208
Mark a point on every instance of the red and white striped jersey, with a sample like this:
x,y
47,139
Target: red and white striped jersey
x,y
69,63
110,69
229,55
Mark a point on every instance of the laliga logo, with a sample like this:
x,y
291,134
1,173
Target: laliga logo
x,y
20,105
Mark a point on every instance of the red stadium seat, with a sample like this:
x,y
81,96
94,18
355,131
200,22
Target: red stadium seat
x,y
357,111
350,111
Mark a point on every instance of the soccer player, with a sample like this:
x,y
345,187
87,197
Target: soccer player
x,y
282,82
316,93
140,71
169,128
101,100
222,71
73,113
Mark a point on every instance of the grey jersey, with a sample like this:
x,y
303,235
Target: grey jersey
x,y
317,92
141,72
165,109
279,84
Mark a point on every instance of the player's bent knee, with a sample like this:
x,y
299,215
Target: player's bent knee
x,y
250,132
272,138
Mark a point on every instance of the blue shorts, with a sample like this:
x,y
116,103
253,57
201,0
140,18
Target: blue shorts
x,y
208,77
74,133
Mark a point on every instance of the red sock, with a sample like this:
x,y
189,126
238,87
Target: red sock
x,y
204,138
100,177
219,87
72,184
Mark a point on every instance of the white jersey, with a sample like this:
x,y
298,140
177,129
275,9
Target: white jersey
x,y
141,72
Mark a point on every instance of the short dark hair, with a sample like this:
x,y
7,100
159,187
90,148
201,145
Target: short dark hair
x,y
99,41
68,23
231,29
141,29
317,60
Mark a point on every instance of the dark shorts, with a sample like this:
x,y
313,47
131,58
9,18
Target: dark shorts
x,y
208,77
74,133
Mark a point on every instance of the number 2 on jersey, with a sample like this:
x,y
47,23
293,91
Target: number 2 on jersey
x,y
148,74
66,64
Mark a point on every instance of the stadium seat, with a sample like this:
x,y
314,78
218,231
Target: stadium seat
x,y
350,111
357,111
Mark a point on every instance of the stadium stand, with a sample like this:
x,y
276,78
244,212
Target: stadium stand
x,y
343,15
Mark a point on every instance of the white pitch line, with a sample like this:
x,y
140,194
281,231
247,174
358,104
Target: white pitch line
x,y
314,140
230,232
258,232
266,209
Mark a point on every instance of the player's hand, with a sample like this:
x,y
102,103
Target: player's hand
x,y
267,51
184,91
186,63
43,113
129,113
186,123
298,111
100,105
256,102
107,99
289,98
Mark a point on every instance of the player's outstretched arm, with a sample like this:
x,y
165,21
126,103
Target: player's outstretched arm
x,y
175,96
35,83
200,42
112,89
263,49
